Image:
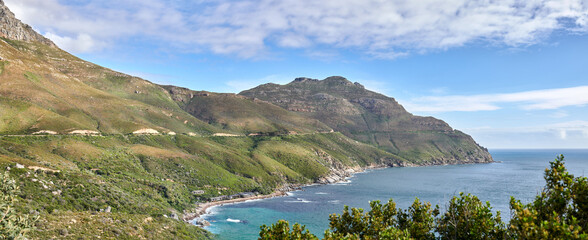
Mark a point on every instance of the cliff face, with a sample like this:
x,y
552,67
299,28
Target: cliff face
x,y
373,118
14,29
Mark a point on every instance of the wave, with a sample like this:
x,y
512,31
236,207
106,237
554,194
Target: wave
x,y
347,181
233,220
211,211
299,200
335,201
321,193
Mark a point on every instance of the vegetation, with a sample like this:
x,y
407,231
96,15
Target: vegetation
x,y
560,211
13,225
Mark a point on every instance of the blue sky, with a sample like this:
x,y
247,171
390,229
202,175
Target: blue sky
x,y
513,74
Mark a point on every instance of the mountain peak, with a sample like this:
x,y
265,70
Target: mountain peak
x,y
12,28
304,79
336,80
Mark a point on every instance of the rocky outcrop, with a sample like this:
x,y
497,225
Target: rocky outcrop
x,y
14,29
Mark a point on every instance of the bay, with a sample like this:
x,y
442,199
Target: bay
x,y
517,173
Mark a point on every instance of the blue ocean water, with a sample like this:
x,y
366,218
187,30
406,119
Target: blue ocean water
x,y
517,173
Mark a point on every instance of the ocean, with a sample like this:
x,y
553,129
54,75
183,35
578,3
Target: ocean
x,y
517,173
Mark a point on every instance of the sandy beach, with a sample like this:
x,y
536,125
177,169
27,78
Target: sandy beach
x,y
201,209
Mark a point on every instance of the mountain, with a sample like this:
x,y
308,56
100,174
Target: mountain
x,y
372,118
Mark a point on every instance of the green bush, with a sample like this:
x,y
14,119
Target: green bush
x,y
13,225
468,218
281,230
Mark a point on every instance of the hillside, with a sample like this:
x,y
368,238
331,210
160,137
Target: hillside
x,y
372,118
45,88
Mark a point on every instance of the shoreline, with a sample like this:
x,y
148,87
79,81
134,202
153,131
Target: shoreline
x,y
200,211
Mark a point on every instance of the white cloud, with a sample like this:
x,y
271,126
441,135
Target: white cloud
x,y
81,44
382,29
528,100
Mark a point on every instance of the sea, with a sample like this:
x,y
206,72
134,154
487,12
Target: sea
x,y
517,173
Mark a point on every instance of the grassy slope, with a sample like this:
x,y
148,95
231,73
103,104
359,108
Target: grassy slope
x,y
373,118
45,88
149,176
242,115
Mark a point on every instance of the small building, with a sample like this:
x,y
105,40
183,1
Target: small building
x,y
219,198
247,194
198,192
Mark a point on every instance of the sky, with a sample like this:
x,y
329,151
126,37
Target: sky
x,y
511,73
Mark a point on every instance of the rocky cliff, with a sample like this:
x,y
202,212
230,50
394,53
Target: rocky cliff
x,y
14,29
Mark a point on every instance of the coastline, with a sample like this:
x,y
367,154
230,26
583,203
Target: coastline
x,y
201,209
336,176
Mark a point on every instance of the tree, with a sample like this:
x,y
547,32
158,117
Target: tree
x,y
468,218
558,212
418,220
12,224
281,230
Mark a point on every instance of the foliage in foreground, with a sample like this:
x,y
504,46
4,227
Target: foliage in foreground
x,y
560,211
12,224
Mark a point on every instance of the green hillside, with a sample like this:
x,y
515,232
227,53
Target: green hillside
x,y
45,88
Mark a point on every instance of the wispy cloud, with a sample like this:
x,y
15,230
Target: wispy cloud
x,y
381,29
528,100
575,126
571,134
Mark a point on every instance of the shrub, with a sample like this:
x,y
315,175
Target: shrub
x,y
13,225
